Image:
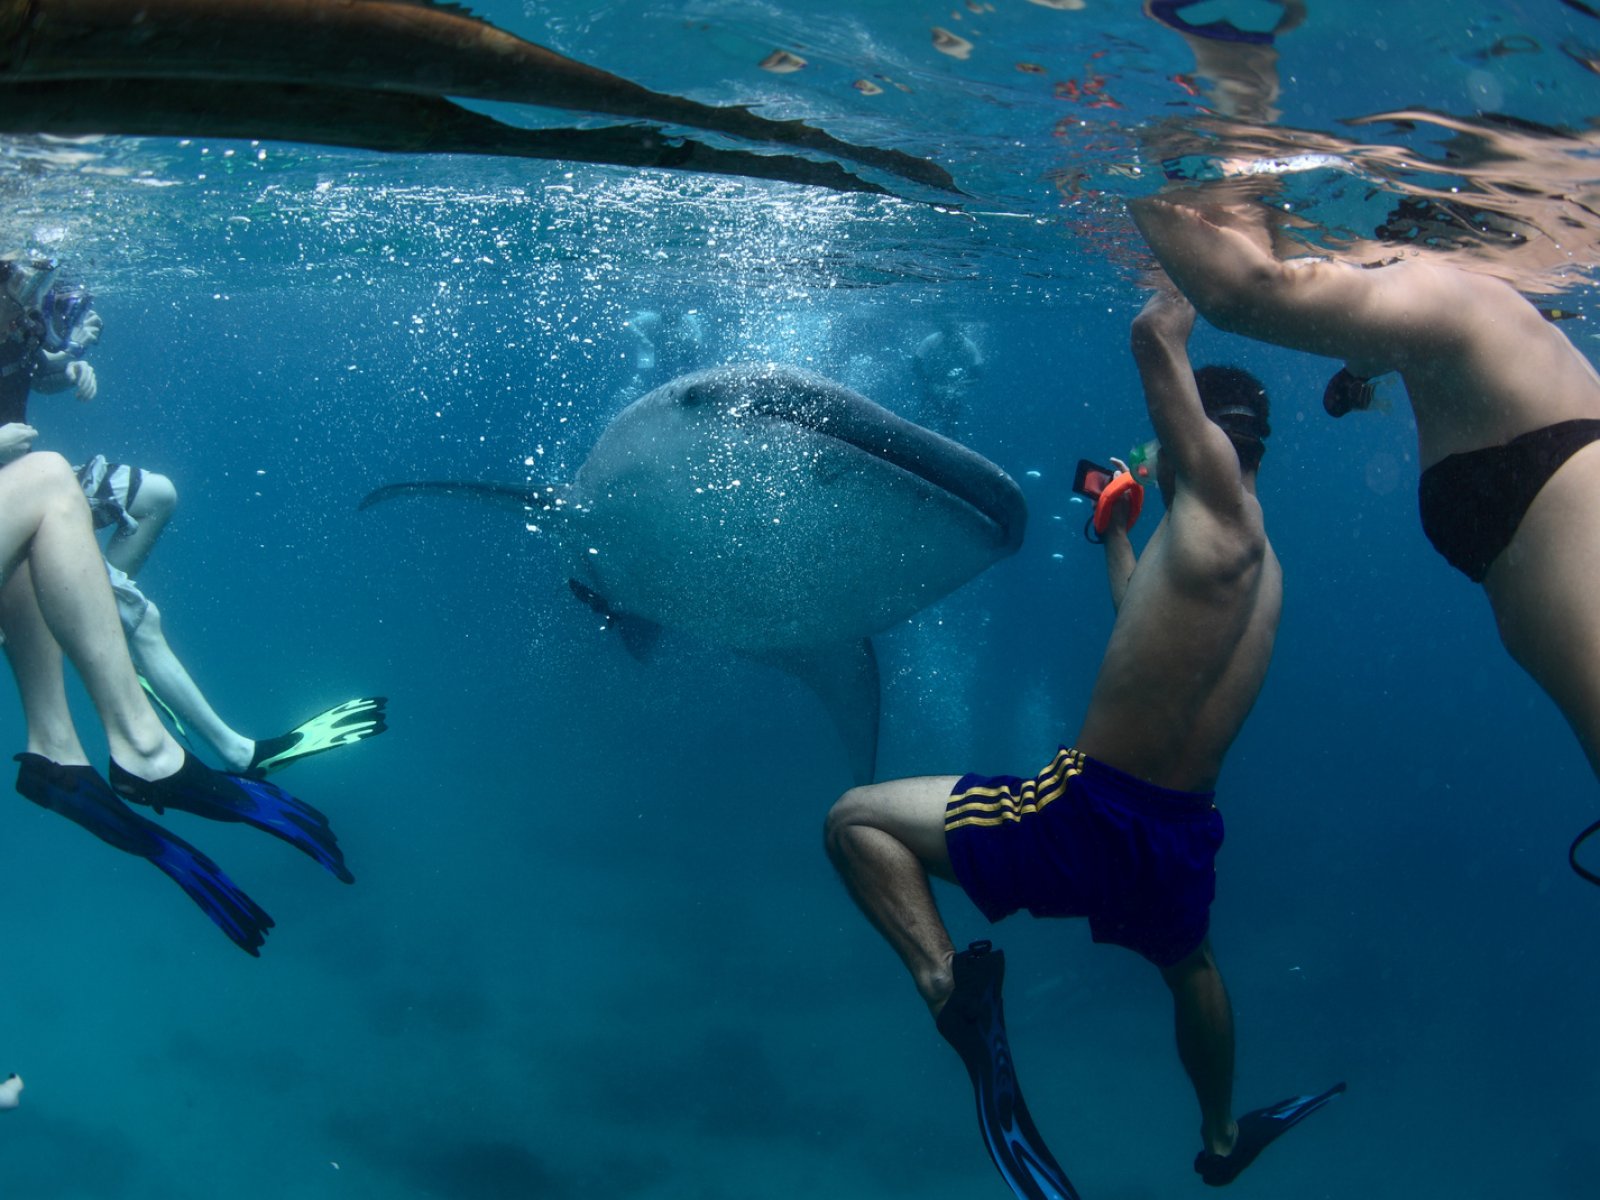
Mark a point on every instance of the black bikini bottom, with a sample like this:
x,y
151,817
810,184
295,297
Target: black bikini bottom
x,y
1472,503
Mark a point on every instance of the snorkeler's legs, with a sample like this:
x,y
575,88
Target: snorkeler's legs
x,y
1203,1018
152,507
36,661
179,692
884,839
45,519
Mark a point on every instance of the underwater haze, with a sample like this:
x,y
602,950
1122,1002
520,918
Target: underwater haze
x,y
594,947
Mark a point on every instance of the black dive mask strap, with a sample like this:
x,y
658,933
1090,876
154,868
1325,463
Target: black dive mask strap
x,y
1348,392
1572,854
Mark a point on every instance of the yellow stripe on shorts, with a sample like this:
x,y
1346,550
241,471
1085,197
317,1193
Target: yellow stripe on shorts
x,y
997,805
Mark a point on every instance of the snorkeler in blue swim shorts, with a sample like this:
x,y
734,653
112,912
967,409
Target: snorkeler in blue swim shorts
x,y
1083,839
1121,829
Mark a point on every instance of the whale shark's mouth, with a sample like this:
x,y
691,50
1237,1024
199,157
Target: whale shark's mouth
x,y
820,406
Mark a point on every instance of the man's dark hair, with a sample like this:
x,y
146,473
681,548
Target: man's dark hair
x,y
1237,401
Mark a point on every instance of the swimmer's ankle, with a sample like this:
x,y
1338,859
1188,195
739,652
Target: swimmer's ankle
x,y
938,981
1222,1139
161,761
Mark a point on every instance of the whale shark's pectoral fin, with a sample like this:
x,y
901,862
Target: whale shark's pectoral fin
x,y
638,634
845,679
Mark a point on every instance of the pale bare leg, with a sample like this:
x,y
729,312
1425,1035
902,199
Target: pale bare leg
x,y
45,520
150,650
36,661
152,508
885,839
1542,589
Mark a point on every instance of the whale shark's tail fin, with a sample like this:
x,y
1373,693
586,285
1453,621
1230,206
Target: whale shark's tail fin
x,y
510,494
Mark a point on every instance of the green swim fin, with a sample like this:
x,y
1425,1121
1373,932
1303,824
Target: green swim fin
x,y
155,698
352,721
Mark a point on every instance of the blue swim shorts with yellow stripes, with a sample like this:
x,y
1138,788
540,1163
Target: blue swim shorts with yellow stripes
x,y
1083,839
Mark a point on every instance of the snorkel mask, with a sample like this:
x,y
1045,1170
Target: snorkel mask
x,y
1240,420
26,278
61,310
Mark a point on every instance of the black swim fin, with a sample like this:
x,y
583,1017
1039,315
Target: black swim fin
x,y
973,1021
80,795
220,796
1257,1131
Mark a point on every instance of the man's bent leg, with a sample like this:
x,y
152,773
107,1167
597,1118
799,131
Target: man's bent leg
x,y
1204,1021
885,839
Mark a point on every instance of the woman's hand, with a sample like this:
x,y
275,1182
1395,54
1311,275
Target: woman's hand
x,y
81,375
16,439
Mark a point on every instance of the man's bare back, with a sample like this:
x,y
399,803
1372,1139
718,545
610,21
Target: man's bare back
x,y
1196,624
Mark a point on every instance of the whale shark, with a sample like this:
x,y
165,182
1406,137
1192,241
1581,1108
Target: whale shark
x,y
375,74
772,511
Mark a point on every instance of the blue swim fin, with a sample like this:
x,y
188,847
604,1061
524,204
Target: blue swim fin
x,y
1257,1131
219,796
80,795
973,1021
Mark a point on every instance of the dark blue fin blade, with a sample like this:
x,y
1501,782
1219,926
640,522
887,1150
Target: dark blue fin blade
x,y
79,794
1258,1130
973,1021
220,796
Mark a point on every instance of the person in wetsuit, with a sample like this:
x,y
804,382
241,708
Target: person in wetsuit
x,y
1122,827
1507,413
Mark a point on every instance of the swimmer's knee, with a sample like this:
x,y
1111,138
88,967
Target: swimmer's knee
x,y
49,469
48,477
148,631
157,497
1197,962
842,817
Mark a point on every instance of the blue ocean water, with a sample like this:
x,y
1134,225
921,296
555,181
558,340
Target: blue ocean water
x,y
594,947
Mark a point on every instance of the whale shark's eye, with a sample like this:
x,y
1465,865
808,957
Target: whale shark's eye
x,y
692,396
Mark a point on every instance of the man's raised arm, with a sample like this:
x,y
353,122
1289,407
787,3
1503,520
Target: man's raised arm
x,y
1198,450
